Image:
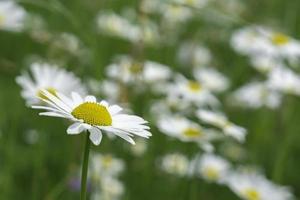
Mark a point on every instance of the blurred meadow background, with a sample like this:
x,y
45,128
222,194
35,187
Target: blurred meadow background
x,y
217,80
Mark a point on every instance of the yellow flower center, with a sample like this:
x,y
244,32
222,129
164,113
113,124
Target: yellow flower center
x,y
192,133
136,68
194,86
93,114
51,90
211,173
251,194
279,39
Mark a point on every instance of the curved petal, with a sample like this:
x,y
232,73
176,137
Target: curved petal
x,y
114,109
95,136
76,98
90,99
75,128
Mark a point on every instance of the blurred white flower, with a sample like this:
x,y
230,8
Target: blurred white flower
x,y
256,95
175,163
149,32
193,92
167,106
254,186
259,40
12,16
106,88
115,25
154,72
183,129
127,70
139,148
248,41
284,80
174,13
103,165
280,45
211,79
211,167
110,189
48,77
193,3
150,6
264,64
220,120
120,26
69,42
191,53
88,114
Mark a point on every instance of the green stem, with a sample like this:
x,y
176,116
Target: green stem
x,y
85,167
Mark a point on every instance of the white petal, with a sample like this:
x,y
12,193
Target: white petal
x,y
53,114
51,109
121,134
76,98
114,109
56,101
104,103
75,128
65,99
95,136
90,99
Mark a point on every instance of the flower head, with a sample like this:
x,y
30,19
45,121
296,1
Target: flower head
x,y
254,186
212,167
175,163
11,16
47,77
88,114
220,120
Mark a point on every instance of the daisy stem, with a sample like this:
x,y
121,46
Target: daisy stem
x,y
85,164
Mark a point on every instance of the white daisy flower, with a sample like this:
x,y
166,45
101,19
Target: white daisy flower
x,y
248,41
187,131
181,128
105,165
284,80
88,114
211,167
220,120
191,53
109,89
47,77
128,71
254,186
113,24
110,188
258,40
173,13
167,106
175,163
280,44
211,79
256,95
264,64
12,16
193,92
139,148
